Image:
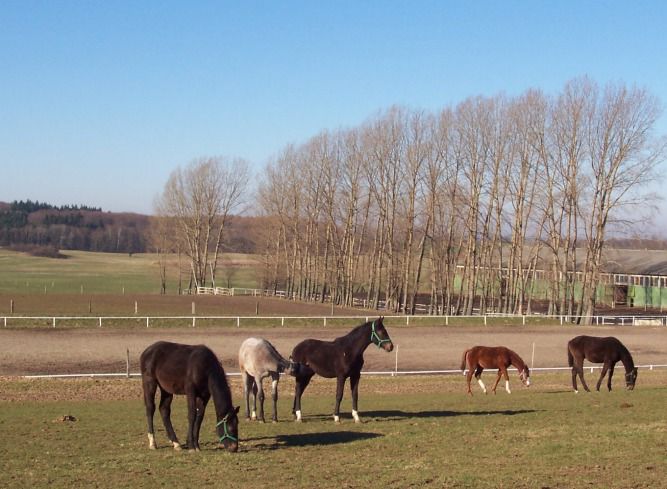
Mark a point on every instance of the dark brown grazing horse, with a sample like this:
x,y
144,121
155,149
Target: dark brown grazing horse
x,y
340,358
607,351
195,371
477,358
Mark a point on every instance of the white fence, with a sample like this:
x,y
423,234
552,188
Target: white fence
x,y
191,321
385,373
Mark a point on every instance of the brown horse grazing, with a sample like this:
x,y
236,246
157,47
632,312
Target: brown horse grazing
x,y
259,359
607,351
340,358
195,371
478,358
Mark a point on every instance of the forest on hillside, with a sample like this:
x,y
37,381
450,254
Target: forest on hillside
x,y
44,229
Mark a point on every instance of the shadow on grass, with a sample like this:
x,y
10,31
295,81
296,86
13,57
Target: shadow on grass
x,y
311,439
397,414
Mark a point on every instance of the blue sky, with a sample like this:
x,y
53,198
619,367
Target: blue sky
x,y
101,101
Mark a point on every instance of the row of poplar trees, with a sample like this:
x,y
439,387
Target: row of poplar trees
x,y
468,206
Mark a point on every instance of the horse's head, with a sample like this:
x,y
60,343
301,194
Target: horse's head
x,y
379,335
293,368
524,375
228,430
630,379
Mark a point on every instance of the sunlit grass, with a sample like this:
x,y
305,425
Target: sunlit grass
x,y
417,433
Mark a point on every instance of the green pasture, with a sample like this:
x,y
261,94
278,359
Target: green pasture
x,y
417,432
101,273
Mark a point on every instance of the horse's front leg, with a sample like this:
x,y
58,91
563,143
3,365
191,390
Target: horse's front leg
x,y
165,412
192,416
354,388
605,367
507,380
275,377
200,404
340,386
611,373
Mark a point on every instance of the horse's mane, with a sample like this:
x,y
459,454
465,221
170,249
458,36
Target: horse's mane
x,y
353,331
276,353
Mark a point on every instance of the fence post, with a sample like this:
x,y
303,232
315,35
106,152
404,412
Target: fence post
x,y
100,322
54,322
127,362
282,321
396,362
325,321
407,320
193,320
147,321
238,321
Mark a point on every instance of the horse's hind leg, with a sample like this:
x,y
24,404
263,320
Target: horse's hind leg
x,y
354,388
150,387
247,387
259,389
580,372
495,385
300,386
165,412
478,376
340,386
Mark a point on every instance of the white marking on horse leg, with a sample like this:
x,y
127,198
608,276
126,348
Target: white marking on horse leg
x,y
576,391
177,446
481,384
336,418
274,385
355,415
527,382
151,441
507,386
253,416
298,415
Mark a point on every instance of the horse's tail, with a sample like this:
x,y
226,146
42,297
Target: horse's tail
x,y
464,360
570,357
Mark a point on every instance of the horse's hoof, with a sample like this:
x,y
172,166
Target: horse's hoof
x,y
152,447
336,419
576,391
177,446
262,421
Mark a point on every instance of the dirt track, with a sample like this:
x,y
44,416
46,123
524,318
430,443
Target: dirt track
x,y
60,351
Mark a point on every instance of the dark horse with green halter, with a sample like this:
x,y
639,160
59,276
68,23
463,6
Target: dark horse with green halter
x,y
607,351
340,358
195,371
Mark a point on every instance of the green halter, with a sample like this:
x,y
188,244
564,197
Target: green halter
x,y
226,435
374,336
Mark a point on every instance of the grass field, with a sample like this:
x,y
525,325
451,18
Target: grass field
x,y
106,273
418,432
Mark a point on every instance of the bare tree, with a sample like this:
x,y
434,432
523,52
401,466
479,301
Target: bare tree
x,y
199,198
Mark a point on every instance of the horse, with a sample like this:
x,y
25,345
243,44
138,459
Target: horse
x,y
340,358
259,359
195,371
607,351
480,357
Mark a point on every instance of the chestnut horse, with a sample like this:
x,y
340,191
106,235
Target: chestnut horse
x,y
478,358
259,359
340,358
195,371
607,351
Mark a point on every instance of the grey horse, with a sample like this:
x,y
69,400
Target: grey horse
x,y
259,359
